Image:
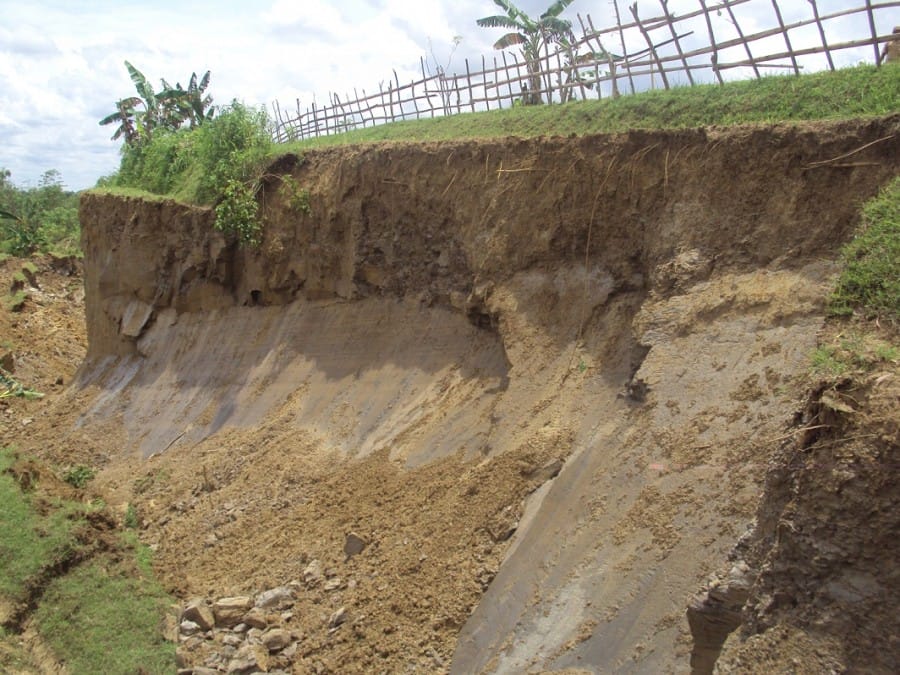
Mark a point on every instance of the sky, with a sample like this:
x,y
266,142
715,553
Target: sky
x,y
62,62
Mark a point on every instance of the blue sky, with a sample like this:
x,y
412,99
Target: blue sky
x,y
62,62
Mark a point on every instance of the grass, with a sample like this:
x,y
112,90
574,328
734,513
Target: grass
x,y
102,615
869,283
851,92
29,542
105,622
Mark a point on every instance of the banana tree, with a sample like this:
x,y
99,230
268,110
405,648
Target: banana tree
x,y
125,117
193,104
531,36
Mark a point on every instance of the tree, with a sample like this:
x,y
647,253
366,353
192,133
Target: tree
x,y
37,218
168,109
531,36
193,104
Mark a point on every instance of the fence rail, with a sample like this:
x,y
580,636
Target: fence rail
x,y
625,57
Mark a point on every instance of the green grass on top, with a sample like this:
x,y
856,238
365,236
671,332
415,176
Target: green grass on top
x,y
851,92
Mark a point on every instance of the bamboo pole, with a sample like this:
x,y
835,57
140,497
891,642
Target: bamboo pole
x,y
670,22
662,71
712,42
740,33
815,9
874,32
622,38
787,38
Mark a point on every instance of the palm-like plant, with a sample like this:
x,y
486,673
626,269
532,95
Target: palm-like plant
x,y
530,36
168,109
125,117
192,104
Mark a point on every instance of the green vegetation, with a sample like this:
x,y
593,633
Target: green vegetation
x,y
98,607
870,281
39,219
220,162
10,387
106,623
858,351
846,93
78,476
131,518
531,36
29,541
296,196
166,110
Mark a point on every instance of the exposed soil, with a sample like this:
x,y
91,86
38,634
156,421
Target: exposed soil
x,y
544,381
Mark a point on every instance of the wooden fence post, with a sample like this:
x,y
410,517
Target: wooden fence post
x,y
662,70
712,41
622,38
815,10
787,38
743,39
670,22
874,33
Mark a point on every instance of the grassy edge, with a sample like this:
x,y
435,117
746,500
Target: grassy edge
x,y
103,614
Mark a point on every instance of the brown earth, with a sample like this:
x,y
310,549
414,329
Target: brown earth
x,y
407,360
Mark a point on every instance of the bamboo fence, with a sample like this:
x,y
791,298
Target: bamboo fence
x,y
627,56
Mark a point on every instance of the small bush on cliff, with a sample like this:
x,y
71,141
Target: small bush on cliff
x,y
870,281
218,163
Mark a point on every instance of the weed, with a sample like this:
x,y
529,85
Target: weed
x,y
14,302
296,196
131,520
857,353
826,362
79,476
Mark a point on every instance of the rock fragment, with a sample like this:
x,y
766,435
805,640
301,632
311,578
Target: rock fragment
x,y
276,639
354,545
198,612
313,575
276,598
337,618
230,611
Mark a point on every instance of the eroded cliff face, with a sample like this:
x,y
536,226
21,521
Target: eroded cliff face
x,y
565,360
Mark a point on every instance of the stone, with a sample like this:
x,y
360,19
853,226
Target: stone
x,y
313,574
333,584
255,618
549,470
232,639
248,659
276,639
188,628
135,317
354,545
230,611
277,598
338,617
205,671
198,612
8,362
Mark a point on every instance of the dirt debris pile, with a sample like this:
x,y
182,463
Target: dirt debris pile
x,y
540,380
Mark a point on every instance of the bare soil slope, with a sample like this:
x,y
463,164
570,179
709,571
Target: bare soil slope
x,y
541,380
